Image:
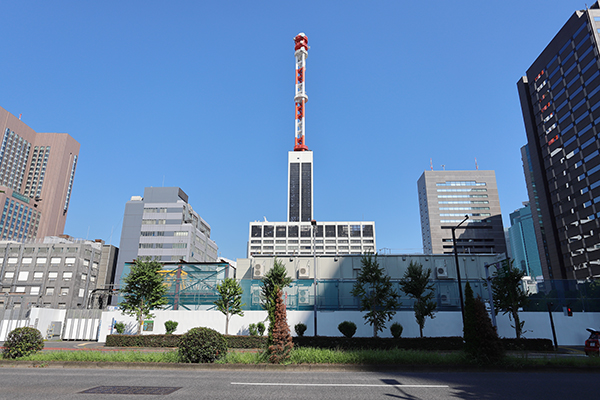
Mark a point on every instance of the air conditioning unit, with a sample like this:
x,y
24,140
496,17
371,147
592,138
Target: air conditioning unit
x,y
303,296
258,271
304,272
255,290
441,270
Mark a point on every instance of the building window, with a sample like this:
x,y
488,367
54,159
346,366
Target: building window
x,y
180,233
20,289
55,260
64,291
13,260
256,231
180,245
41,260
52,275
81,292
67,275
9,275
23,276
35,290
38,275
49,291
83,277
26,260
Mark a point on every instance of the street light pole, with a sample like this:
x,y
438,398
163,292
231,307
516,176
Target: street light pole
x,y
460,293
314,231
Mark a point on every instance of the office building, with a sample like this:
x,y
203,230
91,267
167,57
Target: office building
x,y
560,100
163,226
53,272
523,243
296,238
36,180
446,197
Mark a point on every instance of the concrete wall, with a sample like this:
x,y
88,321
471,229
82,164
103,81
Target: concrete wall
x,y
569,330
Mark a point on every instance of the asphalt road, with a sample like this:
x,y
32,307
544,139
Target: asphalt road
x,y
43,384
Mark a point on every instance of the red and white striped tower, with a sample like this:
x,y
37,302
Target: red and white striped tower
x,y
300,98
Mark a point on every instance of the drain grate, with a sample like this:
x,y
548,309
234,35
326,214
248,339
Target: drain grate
x,y
131,390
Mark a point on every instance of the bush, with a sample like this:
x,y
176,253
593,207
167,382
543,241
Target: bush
x,y
201,345
261,328
373,343
347,328
396,330
22,342
253,330
300,329
171,326
170,341
120,327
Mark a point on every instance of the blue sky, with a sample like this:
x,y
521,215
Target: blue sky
x,y
199,95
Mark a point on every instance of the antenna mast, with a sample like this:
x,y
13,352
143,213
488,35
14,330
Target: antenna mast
x,y
300,98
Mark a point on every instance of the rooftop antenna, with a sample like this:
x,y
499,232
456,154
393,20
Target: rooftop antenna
x,y
431,164
476,166
300,98
444,167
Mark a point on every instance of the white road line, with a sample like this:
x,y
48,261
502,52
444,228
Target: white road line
x,y
336,385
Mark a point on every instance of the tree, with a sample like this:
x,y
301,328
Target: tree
x,y
275,279
230,300
376,294
508,292
416,284
282,343
481,338
144,290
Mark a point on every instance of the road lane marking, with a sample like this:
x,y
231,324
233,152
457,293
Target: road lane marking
x,y
337,385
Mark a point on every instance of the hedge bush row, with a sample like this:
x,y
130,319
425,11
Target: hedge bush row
x,y
326,342
233,342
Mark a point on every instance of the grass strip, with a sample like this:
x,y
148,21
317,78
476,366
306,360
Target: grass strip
x,y
306,355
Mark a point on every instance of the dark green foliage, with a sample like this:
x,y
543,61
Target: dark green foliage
x,y
376,294
120,327
511,344
373,343
481,339
347,328
170,341
275,279
509,295
201,345
230,300
22,342
416,284
171,326
144,290
253,330
260,327
300,328
279,350
396,330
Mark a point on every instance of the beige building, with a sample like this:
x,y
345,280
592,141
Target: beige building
x,y
446,197
36,180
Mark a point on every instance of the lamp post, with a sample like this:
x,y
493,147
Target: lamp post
x,y
314,232
460,293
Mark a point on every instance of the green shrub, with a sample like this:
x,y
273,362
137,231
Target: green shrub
x,y
120,327
396,330
253,330
171,326
261,328
347,328
300,329
22,342
202,345
379,343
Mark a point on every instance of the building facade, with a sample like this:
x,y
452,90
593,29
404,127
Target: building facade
x,y
523,243
302,238
54,272
560,100
446,197
36,180
162,225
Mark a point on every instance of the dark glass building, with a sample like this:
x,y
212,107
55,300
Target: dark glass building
x,y
560,100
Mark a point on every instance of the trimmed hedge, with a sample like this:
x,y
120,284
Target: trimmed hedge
x,y
233,342
371,343
527,344
336,342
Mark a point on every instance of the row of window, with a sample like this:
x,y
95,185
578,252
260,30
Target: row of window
x,y
307,231
35,290
459,196
317,241
14,153
44,260
463,208
162,233
23,276
163,245
291,249
460,183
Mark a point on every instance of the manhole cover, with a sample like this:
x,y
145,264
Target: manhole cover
x,y
131,390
